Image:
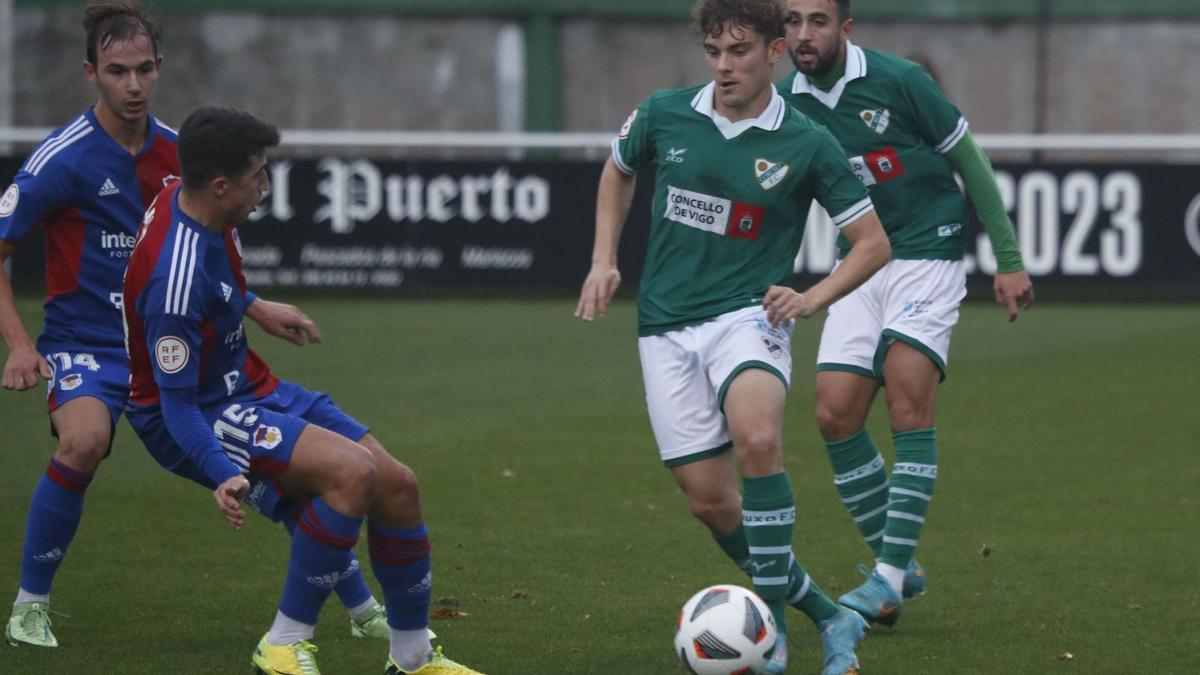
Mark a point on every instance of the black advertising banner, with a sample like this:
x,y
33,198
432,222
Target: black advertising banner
x,y
346,223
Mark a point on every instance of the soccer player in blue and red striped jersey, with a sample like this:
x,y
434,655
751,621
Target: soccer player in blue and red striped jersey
x,y
87,185
207,407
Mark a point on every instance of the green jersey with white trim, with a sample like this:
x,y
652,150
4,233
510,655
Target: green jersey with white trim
x,y
730,201
895,124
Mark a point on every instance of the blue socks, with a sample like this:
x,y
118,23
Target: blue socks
x,y
352,590
321,558
54,514
400,559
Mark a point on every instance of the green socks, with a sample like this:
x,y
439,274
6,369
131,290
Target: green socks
x,y
913,478
860,475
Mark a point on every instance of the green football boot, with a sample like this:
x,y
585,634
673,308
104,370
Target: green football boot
x,y
30,625
373,624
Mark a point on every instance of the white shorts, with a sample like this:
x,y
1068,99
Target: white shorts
x,y
688,371
914,301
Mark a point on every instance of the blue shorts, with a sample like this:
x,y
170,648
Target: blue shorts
x,y
258,436
80,370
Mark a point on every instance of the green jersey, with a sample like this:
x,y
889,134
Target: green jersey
x,y
730,201
895,124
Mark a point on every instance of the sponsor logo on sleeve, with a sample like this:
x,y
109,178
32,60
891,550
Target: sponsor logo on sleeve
x,y
171,354
769,173
628,125
226,291
8,202
70,382
267,437
876,120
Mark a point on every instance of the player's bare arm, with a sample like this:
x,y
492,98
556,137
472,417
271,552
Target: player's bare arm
x,y
869,251
284,321
229,497
613,200
24,363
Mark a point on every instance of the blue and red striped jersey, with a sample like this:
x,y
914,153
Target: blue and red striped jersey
x,y
89,194
185,298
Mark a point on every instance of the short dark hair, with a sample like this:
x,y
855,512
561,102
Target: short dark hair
x,y
117,21
843,10
216,141
766,17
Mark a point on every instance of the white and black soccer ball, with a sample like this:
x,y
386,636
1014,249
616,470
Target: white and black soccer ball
x,y
725,630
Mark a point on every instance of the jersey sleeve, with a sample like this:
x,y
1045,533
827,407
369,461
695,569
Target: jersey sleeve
x,y
938,121
633,148
29,199
173,332
834,183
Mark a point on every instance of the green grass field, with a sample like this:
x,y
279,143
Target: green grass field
x,y
1068,447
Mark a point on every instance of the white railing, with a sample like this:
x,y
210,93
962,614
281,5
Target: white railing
x,y
315,138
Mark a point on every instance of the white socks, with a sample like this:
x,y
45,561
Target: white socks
x,y
894,576
287,631
410,648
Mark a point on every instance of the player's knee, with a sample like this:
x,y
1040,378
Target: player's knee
x,y
355,480
833,422
758,446
715,511
907,414
82,451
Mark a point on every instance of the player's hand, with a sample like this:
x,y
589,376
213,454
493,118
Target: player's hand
x,y
229,496
598,290
784,304
283,321
22,368
1012,289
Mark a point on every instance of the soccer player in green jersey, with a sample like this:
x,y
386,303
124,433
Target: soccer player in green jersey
x,y
904,140
737,172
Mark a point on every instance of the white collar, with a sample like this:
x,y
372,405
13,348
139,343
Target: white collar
x,y
856,67
770,119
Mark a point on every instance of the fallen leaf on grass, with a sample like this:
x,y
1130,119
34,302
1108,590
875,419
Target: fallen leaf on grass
x,y
443,613
1066,656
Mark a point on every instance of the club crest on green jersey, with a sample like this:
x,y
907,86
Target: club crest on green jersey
x,y
876,120
769,173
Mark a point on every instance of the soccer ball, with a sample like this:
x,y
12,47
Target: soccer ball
x,y
725,630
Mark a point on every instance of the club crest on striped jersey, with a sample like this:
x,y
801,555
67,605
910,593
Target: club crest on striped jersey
x,y
171,354
876,120
8,202
769,173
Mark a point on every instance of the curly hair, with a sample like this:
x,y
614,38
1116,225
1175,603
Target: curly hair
x,y
766,17
117,21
